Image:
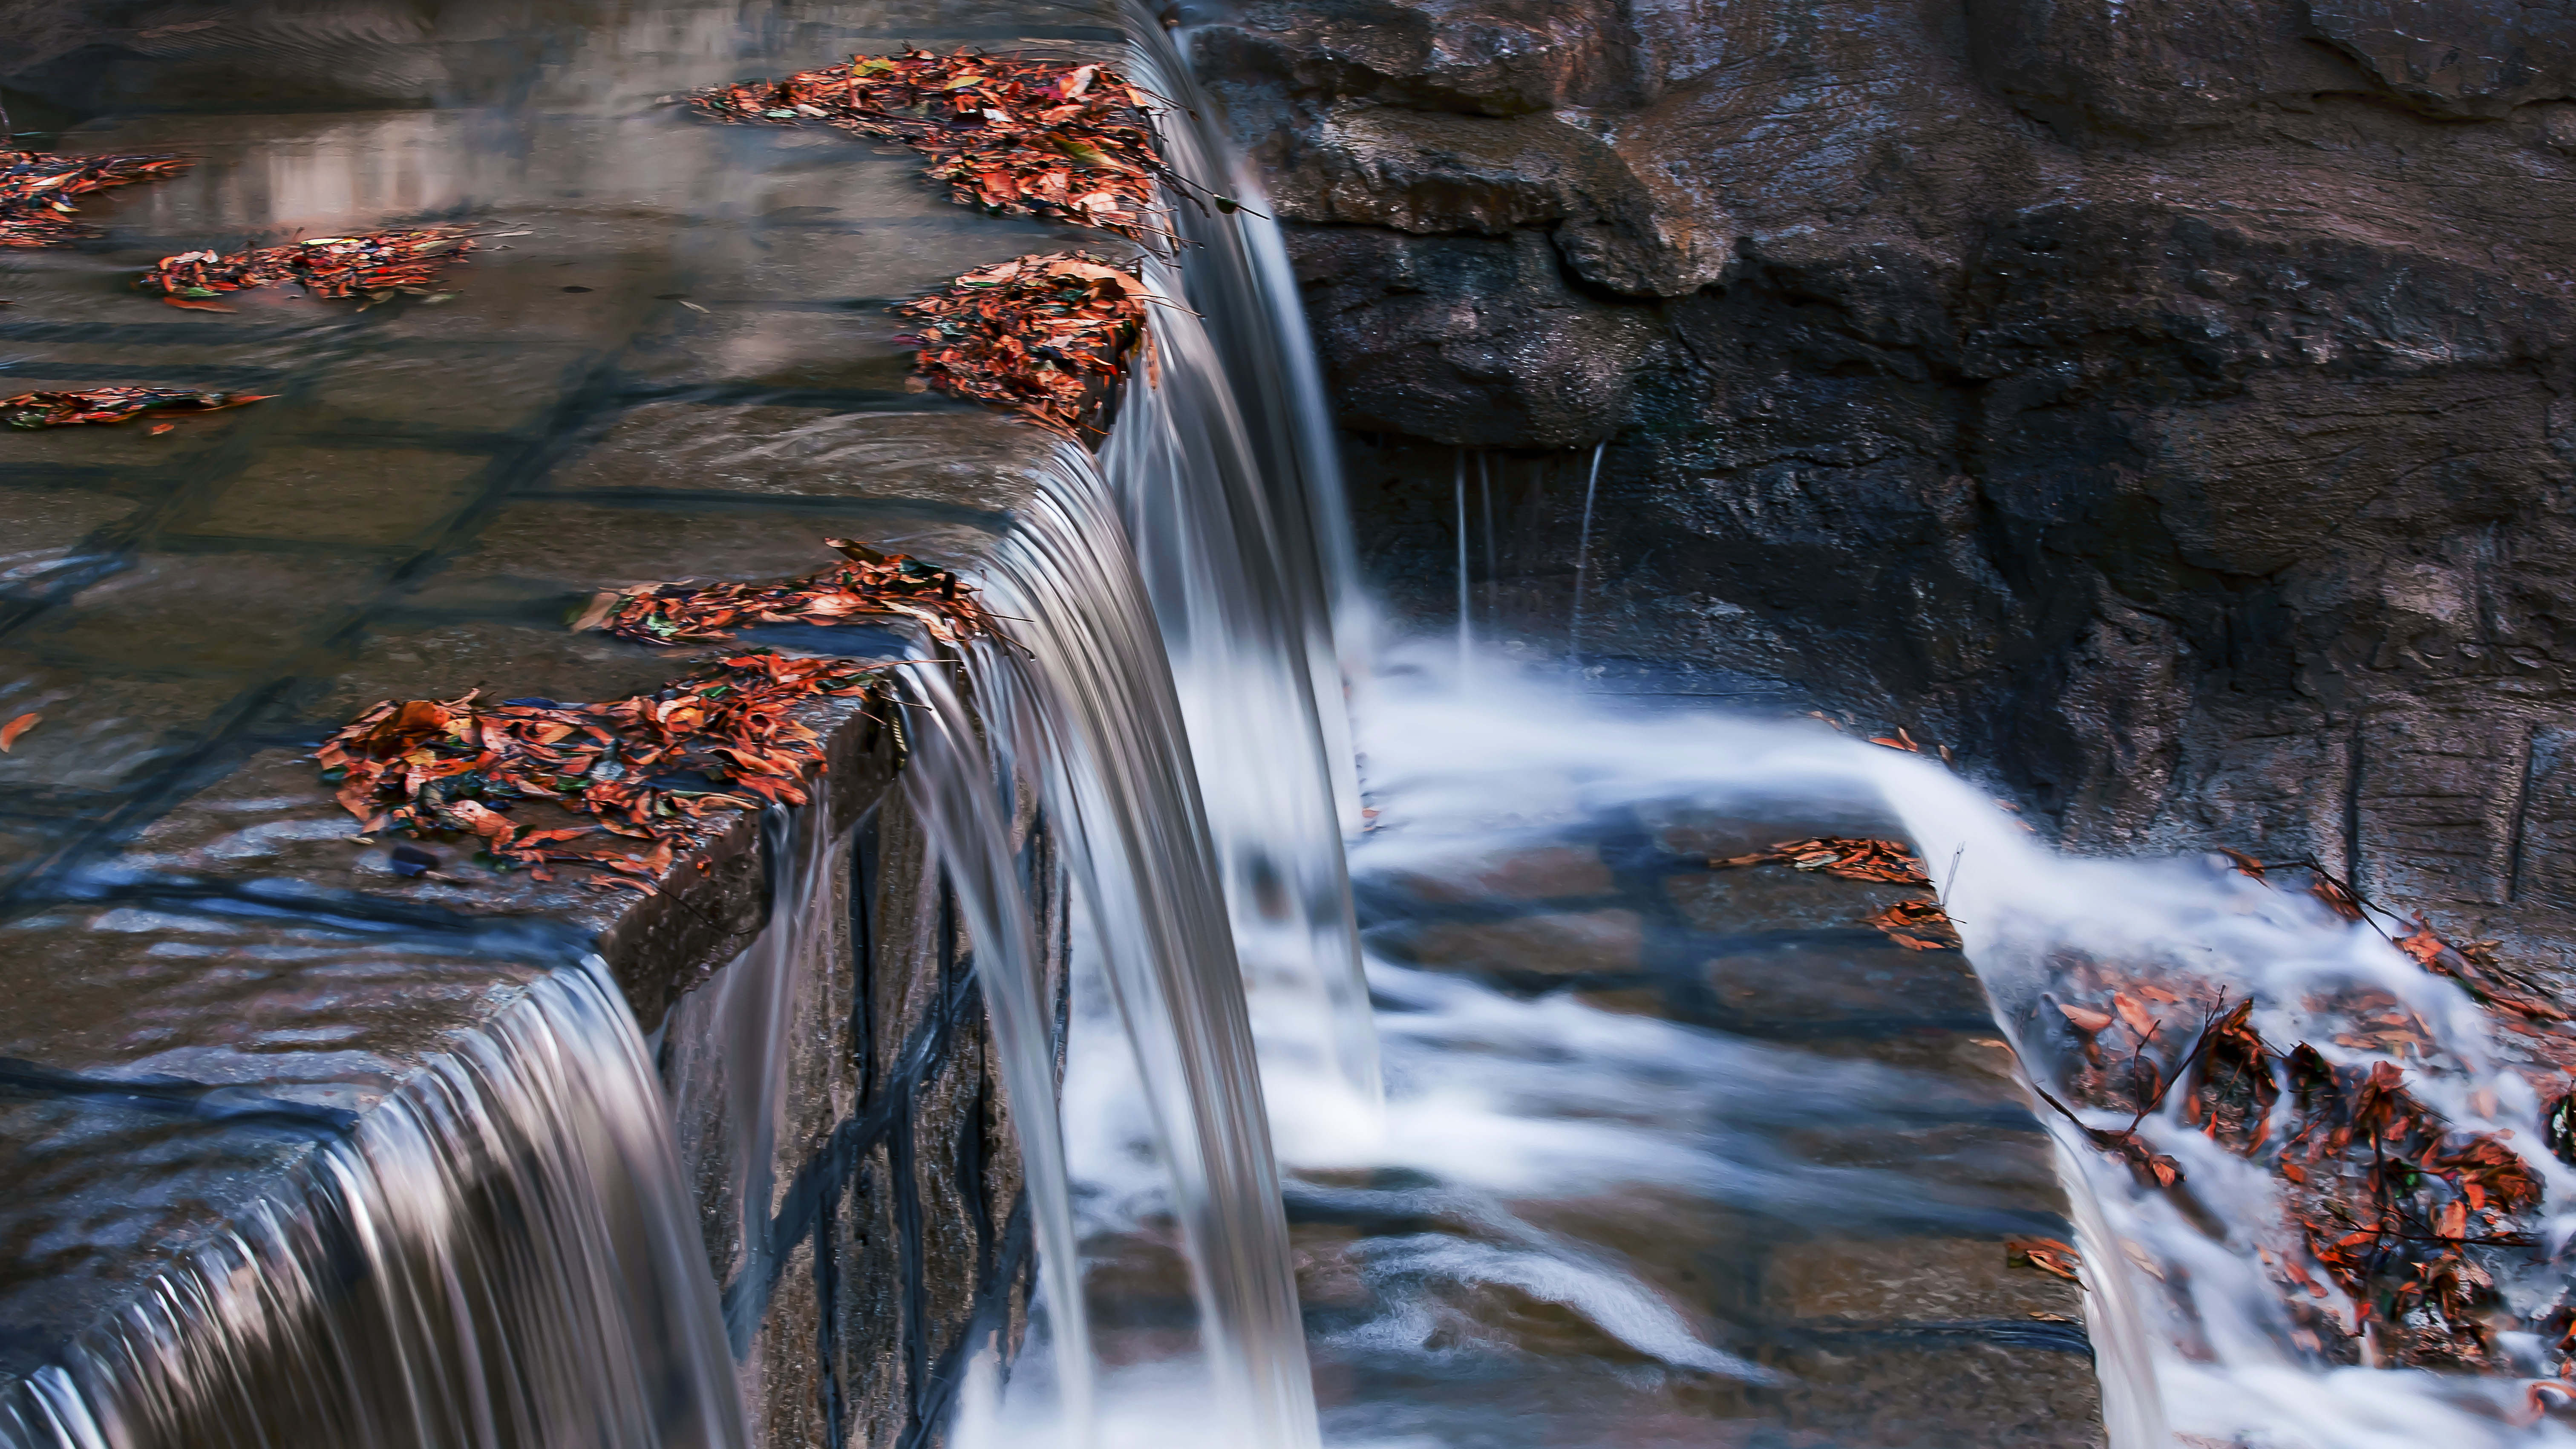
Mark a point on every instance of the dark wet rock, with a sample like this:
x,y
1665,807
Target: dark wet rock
x,y
1482,57
1470,341
2163,405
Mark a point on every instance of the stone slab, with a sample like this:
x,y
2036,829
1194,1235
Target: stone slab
x,y
1871,1147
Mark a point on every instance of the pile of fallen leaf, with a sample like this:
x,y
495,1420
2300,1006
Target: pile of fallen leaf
x,y
1045,336
1018,137
865,583
2404,1223
104,405
648,768
36,188
378,266
1916,924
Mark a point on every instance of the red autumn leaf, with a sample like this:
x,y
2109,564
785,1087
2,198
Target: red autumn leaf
x,y
1918,925
1046,336
870,583
2452,1221
2048,1255
2336,898
427,766
2422,944
1848,857
11,732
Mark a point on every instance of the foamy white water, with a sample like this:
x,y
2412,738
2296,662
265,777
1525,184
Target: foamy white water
x,y
2189,1331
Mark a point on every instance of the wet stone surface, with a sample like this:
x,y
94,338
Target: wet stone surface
x,y
1880,1153
679,365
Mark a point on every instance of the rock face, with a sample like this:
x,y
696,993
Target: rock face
x,y
2163,403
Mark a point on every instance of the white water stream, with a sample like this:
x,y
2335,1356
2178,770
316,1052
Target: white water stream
x,y
1190,628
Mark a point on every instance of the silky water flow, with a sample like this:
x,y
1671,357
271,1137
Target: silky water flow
x,y
1481,1235
500,1254
1502,1102
1502,1112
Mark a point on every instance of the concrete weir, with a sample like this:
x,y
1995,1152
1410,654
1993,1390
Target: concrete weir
x,y
236,1036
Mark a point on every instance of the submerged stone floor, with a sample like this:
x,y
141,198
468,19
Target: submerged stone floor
x,y
1887,1300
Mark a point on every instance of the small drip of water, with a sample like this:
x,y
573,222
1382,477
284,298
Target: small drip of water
x,y
1493,553
502,1256
1583,555
1466,617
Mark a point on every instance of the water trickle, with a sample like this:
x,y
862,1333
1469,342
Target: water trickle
x,y
1466,613
1583,556
1485,466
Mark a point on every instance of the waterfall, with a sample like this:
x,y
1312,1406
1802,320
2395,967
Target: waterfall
x,y
501,1254
1226,480
1080,699
505,1252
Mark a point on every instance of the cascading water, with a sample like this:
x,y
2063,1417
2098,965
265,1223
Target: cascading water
x,y
1227,484
501,1254
1080,700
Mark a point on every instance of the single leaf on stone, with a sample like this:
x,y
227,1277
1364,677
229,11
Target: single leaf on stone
x,y
2048,1255
596,612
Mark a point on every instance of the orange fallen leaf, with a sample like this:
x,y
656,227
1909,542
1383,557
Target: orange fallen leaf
x,y
14,729
2085,1017
2451,1223
2048,1255
2134,1014
1917,925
